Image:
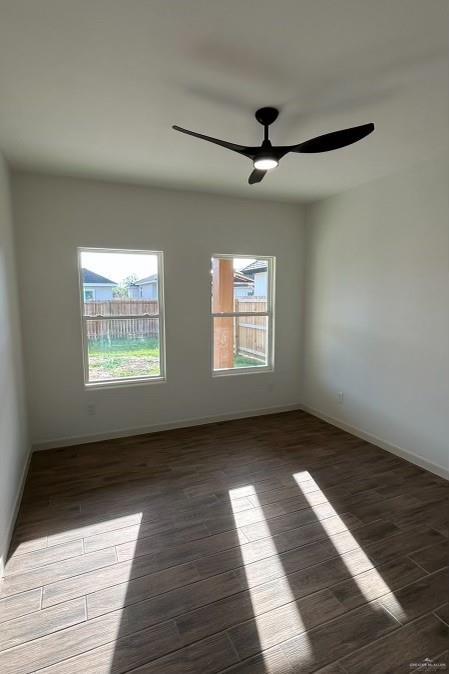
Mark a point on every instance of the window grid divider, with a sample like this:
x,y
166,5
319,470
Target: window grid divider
x,y
231,314
118,317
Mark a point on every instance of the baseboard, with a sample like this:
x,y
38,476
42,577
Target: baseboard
x,y
15,511
156,428
373,439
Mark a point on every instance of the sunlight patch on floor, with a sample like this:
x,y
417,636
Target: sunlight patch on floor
x,y
356,563
95,529
104,651
61,534
266,631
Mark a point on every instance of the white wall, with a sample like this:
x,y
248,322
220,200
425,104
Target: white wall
x,y
377,319
55,215
13,427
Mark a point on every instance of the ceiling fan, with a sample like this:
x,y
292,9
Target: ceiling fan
x,y
267,156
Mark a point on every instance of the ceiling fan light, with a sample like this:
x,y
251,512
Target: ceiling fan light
x,y
265,163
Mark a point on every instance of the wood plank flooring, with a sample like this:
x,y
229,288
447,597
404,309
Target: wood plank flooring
x,y
270,545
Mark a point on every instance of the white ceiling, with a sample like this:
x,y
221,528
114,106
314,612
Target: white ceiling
x,y
92,87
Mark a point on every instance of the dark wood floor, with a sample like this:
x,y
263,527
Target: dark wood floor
x,y
276,544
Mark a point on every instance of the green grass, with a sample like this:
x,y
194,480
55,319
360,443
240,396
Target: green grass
x,y
125,347
122,358
244,361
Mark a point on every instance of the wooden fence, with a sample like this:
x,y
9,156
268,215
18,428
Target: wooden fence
x,y
250,338
251,332
124,328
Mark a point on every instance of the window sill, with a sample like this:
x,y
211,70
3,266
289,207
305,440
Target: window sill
x,y
97,385
242,370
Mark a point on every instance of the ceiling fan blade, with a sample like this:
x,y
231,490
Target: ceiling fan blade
x,y
256,176
241,149
334,140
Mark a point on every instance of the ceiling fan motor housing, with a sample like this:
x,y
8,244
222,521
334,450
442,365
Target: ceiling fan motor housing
x,y
266,116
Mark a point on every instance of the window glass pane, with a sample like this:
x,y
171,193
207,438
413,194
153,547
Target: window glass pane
x,y
239,284
241,341
123,348
116,283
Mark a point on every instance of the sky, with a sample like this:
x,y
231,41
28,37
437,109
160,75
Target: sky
x,y
240,262
117,266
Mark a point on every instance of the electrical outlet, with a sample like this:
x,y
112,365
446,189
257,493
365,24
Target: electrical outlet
x,y
91,409
340,397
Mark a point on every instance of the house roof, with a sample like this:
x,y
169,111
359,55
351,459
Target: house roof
x,y
257,265
90,277
241,279
238,278
147,279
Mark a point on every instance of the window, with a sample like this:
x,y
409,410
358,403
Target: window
x,y
242,313
123,327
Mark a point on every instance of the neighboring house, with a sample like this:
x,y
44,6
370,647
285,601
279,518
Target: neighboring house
x,y
258,272
97,288
145,288
133,291
243,285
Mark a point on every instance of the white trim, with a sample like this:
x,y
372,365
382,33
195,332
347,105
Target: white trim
x,y
121,383
252,325
269,314
375,440
6,544
131,381
251,369
96,249
237,314
156,428
117,317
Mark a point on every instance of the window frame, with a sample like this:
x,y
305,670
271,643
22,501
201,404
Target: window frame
x,y
124,381
89,290
270,314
